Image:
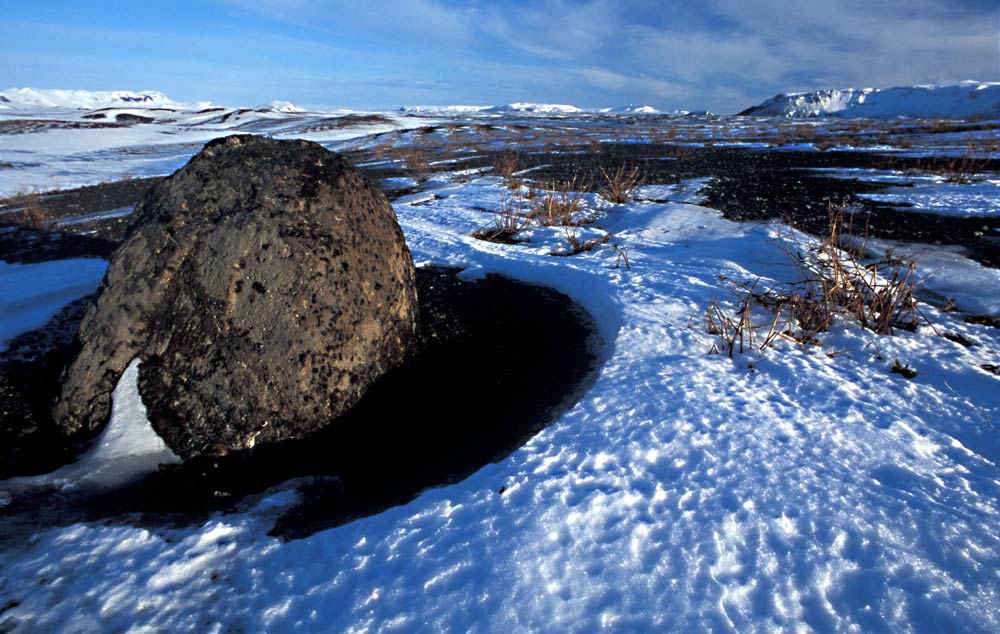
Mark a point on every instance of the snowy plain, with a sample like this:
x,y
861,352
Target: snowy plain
x,y
931,192
802,488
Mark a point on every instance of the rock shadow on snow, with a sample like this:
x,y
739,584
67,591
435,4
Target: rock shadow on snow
x,y
496,361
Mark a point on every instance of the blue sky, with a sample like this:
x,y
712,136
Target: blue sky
x,y
719,55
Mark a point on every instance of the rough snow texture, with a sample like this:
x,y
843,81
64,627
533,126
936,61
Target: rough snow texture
x,y
685,492
967,100
266,286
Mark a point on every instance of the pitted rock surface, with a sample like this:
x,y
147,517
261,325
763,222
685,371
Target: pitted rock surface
x,y
265,286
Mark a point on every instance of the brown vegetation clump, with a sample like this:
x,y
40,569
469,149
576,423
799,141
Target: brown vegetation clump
x,y
509,220
834,280
558,204
506,165
416,161
975,160
620,184
31,214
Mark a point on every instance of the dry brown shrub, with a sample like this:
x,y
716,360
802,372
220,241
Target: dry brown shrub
x,y
834,280
416,161
558,204
31,212
576,245
509,220
620,184
506,165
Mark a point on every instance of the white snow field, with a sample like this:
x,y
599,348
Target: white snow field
x,y
55,153
802,489
933,193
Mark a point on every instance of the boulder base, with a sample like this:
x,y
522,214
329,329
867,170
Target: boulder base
x,y
265,286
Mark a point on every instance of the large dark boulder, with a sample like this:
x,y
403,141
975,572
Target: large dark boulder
x,y
265,286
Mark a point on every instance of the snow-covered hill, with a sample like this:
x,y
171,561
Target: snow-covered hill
x,y
543,108
36,98
966,100
279,106
540,108
630,109
527,107
444,110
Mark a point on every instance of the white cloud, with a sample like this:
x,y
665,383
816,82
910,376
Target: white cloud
x,y
721,55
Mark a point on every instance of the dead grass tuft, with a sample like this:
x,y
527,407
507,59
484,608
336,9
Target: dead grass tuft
x,y
32,213
576,245
510,220
833,280
506,165
974,161
558,204
619,185
878,294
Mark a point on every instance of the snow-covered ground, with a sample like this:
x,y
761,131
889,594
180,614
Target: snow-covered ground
x,y
57,154
934,193
800,489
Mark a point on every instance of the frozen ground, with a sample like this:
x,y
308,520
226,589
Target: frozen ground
x,y
45,150
801,489
934,193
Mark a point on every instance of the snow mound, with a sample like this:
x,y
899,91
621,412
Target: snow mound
x,y
34,98
966,100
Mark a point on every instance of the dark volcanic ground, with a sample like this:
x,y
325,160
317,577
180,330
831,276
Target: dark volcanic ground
x,y
476,387
748,184
759,184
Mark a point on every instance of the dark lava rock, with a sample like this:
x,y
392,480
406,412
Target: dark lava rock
x,y
125,117
476,386
265,286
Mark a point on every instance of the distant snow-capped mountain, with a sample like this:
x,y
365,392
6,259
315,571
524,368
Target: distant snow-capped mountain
x,y
966,100
440,110
36,98
543,108
537,108
279,106
630,109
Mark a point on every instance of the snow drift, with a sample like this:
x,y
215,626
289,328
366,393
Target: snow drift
x,y
967,100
